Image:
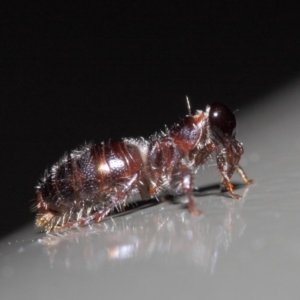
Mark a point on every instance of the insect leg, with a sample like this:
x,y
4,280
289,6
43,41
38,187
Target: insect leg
x,y
243,175
186,179
94,217
223,168
117,197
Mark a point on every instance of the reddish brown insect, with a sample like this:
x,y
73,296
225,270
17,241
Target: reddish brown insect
x,y
89,183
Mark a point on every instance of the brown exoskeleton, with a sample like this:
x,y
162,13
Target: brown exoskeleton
x,y
89,183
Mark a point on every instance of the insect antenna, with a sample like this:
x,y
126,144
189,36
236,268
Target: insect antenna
x,y
188,105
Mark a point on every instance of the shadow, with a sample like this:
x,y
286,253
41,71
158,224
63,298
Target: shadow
x,y
197,192
132,207
207,190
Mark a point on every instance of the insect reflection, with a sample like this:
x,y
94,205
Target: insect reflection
x,y
165,235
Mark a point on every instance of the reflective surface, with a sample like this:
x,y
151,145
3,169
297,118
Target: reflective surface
x,y
240,249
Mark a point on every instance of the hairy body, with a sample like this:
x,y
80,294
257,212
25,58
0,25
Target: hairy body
x,y
89,183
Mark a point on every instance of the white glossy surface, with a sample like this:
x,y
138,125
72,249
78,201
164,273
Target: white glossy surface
x,y
248,249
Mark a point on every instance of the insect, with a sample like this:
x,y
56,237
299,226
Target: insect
x,y
89,183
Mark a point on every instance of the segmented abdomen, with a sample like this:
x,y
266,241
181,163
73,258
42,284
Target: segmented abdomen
x,y
97,177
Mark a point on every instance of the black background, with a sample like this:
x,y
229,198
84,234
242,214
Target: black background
x,y
92,71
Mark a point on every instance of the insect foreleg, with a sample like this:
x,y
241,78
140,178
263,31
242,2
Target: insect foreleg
x,y
243,175
223,168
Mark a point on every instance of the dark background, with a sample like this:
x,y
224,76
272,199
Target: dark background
x,y
98,70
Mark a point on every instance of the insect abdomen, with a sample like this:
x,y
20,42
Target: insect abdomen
x,y
94,178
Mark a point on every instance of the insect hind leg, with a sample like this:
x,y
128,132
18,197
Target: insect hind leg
x,y
95,216
115,199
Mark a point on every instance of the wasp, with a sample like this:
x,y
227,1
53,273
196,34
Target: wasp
x,y
91,182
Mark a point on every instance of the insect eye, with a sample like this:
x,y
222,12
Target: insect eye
x,y
222,120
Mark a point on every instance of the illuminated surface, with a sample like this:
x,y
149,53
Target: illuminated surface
x,y
240,249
